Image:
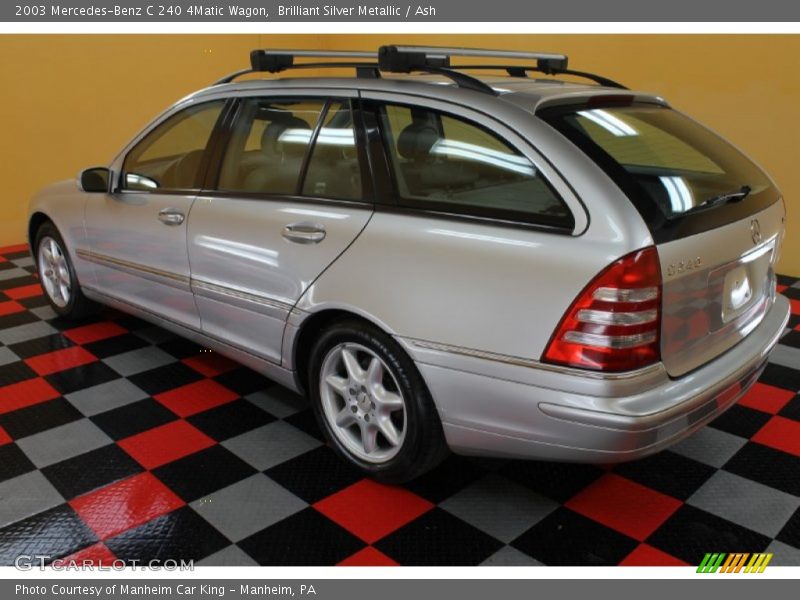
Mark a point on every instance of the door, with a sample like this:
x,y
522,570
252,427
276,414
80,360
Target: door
x,y
289,199
137,234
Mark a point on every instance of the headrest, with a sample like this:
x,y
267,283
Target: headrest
x,y
271,142
416,141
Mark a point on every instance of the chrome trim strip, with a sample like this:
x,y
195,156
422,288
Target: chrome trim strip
x,y
530,363
247,298
173,279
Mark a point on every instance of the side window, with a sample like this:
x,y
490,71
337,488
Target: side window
x,y
333,169
168,158
268,146
442,162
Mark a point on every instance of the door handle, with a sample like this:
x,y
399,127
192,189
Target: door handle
x,y
171,216
304,233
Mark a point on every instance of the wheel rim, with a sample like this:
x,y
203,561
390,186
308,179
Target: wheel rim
x,y
362,403
54,272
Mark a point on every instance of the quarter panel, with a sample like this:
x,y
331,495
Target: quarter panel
x,y
489,287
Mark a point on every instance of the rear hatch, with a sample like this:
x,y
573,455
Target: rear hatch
x,y
715,217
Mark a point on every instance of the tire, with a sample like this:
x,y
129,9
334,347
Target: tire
x,y
347,401
61,287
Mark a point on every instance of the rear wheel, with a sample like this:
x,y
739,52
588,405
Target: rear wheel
x,y
57,275
372,404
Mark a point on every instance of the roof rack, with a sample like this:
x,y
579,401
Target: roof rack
x,y
408,59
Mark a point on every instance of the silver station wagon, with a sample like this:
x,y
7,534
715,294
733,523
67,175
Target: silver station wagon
x,y
440,256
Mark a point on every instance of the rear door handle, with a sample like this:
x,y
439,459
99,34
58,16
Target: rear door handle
x,y
304,233
171,216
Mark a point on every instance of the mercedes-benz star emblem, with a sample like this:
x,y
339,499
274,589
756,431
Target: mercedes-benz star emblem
x,y
755,231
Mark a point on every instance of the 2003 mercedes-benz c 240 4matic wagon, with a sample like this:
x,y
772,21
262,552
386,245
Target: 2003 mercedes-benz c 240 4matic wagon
x,y
501,265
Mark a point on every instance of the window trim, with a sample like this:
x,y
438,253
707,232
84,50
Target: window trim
x,y
205,161
462,211
211,181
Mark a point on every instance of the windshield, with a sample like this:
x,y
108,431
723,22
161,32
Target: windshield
x,y
668,164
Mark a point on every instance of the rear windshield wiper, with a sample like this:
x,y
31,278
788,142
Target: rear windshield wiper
x,y
735,196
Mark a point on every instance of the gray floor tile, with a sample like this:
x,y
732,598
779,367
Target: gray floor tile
x,y
785,555
499,507
61,443
278,401
710,446
271,444
44,312
23,333
25,496
786,356
510,557
7,356
13,273
232,556
136,361
25,261
106,396
747,503
247,506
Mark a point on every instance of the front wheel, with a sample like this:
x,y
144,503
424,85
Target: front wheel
x,y
57,275
373,405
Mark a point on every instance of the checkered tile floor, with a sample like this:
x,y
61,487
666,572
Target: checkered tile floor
x,y
118,439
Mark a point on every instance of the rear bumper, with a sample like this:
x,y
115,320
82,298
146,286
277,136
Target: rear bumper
x,y
496,408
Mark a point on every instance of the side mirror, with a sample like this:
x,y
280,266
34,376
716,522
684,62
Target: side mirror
x,y
95,180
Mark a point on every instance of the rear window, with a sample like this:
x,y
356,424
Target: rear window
x,y
681,177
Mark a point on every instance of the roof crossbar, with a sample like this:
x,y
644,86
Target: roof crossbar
x,y
408,59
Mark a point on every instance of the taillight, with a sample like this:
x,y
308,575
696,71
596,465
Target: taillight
x,y
615,322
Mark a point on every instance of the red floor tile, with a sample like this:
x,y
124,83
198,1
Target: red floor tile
x,y
25,393
368,557
4,437
94,332
125,504
97,555
372,510
10,307
60,360
766,398
210,364
779,288
623,505
647,556
780,433
795,306
2,259
164,444
14,248
25,291
196,397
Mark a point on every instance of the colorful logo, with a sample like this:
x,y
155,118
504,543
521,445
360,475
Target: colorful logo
x,y
734,563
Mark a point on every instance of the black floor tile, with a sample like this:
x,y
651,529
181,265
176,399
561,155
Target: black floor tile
x,y
766,465
54,533
306,538
168,377
82,474
301,475
669,473
203,472
13,462
231,419
438,538
181,534
133,418
39,417
690,533
565,538
741,420
80,378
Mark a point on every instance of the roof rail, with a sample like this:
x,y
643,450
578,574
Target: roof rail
x,y
407,59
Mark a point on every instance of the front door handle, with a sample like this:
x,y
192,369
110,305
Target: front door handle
x,y
304,233
171,216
